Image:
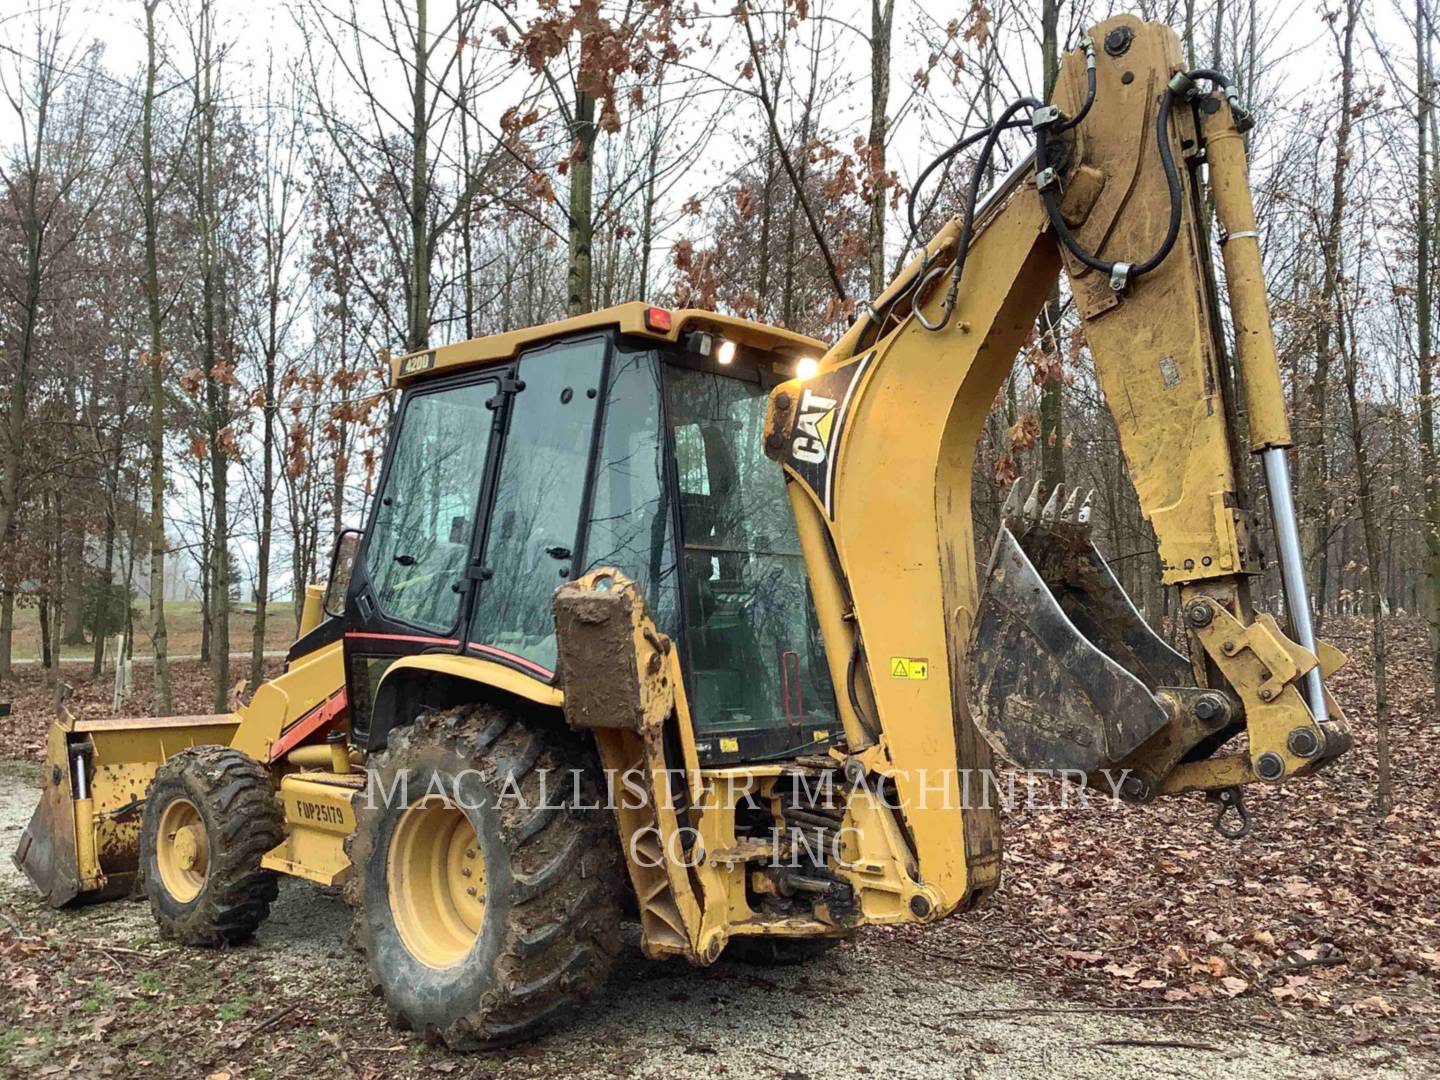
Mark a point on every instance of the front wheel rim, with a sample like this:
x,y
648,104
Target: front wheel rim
x,y
182,850
435,877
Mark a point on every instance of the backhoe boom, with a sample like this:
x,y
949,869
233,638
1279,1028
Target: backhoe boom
x,y
1046,655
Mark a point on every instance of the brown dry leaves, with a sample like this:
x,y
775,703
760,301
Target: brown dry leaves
x,y
1324,916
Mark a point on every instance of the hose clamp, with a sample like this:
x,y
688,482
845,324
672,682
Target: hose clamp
x,y
1046,179
1046,117
1120,276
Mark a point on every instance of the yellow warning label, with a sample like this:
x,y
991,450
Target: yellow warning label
x,y
909,667
729,746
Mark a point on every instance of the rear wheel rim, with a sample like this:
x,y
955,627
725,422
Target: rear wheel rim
x,y
435,876
182,852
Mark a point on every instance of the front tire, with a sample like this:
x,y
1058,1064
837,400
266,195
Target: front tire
x,y
210,817
485,903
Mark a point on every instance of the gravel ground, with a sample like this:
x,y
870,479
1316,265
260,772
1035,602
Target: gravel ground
x,y
881,1007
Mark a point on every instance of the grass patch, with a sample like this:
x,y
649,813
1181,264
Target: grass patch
x,y
100,997
182,622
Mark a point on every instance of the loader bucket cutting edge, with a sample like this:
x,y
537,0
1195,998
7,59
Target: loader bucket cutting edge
x,y
84,844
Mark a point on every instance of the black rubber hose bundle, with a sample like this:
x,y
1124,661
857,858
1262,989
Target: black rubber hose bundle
x,y
1048,195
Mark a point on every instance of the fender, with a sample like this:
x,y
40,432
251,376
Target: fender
x,y
442,679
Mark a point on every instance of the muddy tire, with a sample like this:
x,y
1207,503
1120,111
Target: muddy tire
x,y
482,920
210,816
763,950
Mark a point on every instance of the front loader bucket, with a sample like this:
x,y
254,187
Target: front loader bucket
x,y
83,842
1062,669
47,846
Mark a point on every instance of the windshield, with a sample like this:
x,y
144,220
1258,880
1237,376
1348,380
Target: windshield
x,y
753,642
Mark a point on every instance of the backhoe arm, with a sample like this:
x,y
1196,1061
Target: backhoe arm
x,y
1042,653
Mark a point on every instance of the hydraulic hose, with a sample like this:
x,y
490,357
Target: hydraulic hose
x,y
944,156
1089,47
1122,274
1128,272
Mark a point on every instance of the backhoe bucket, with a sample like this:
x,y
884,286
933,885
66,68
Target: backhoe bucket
x,y
1062,669
83,842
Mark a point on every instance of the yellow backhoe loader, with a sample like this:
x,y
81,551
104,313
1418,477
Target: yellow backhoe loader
x,y
673,617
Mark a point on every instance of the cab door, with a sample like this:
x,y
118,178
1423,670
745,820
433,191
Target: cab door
x,y
533,544
409,586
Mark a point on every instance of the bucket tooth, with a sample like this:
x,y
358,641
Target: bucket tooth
x,y
1012,502
1052,508
1067,515
1082,516
1032,505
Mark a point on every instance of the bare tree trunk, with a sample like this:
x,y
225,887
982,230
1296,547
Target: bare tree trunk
x,y
1052,426
160,640
762,283
882,18
647,219
1423,316
579,268
1315,466
214,342
1365,488
418,335
787,291
17,418
112,513
466,207
267,493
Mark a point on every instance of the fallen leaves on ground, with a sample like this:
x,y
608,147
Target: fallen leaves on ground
x,y
1326,916
1320,928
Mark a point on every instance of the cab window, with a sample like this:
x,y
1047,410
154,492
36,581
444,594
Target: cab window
x,y
425,517
754,645
530,548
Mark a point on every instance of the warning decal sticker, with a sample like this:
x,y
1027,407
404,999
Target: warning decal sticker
x,y
909,667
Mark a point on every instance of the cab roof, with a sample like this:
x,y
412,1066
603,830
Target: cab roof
x,y
641,320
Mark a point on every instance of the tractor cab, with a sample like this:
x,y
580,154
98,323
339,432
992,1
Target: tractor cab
x,y
630,439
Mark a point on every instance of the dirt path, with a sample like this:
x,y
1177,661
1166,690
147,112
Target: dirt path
x,y
96,989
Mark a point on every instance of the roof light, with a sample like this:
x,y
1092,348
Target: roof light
x,y
726,353
657,319
807,367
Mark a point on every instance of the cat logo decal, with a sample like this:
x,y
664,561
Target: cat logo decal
x,y
820,424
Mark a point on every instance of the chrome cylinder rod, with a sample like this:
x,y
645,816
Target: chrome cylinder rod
x,y
1292,569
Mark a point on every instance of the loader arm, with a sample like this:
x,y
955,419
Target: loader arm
x,y
1040,652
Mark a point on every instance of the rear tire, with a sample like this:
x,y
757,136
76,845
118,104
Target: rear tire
x,y
210,817
441,817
